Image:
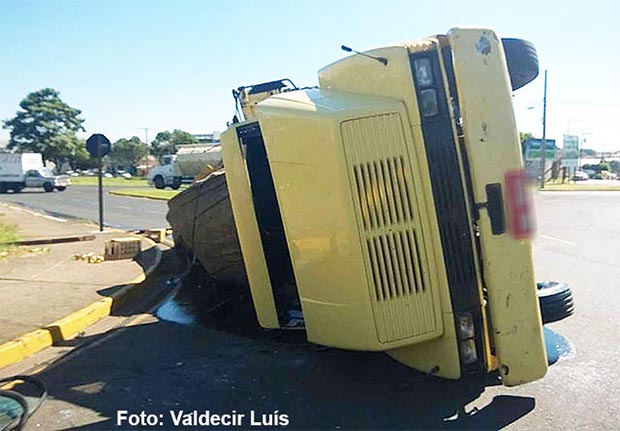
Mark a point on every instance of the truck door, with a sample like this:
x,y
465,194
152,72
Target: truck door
x,y
34,178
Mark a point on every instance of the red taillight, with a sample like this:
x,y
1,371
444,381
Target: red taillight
x,y
520,205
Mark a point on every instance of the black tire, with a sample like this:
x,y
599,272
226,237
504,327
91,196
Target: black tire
x,y
522,61
176,184
61,188
556,301
159,182
48,187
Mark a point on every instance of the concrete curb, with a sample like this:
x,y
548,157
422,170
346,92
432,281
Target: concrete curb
x,y
137,196
59,240
28,344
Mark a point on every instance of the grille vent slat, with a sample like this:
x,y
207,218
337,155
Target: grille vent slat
x,y
382,183
383,192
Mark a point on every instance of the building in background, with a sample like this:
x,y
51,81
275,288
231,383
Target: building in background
x,y
208,138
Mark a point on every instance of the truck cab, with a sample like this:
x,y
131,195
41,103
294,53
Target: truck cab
x,y
388,206
164,175
21,170
45,178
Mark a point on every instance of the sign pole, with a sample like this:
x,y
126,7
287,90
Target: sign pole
x,y
543,145
100,195
98,146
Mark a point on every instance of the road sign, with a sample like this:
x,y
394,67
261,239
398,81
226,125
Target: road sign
x,y
98,145
571,147
533,149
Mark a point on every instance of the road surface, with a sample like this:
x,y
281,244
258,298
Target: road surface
x,y
160,367
83,202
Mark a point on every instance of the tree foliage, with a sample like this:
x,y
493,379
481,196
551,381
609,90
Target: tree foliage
x,y
129,152
523,137
168,142
47,125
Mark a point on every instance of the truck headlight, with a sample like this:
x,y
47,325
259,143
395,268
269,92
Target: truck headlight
x,y
423,72
465,325
466,332
468,351
428,102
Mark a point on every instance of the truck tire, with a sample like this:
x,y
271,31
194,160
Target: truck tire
x,y
159,182
48,187
556,301
61,188
176,184
522,61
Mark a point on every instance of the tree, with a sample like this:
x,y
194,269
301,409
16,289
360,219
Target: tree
x,y
523,137
81,157
47,125
168,142
129,152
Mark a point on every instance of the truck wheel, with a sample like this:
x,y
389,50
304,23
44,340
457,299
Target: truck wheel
x,y
522,61
61,188
556,301
159,182
48,187
176,184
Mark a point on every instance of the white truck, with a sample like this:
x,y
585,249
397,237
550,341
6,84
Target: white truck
x,y
191,162
18,171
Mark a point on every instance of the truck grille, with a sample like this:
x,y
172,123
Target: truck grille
x,y
381,177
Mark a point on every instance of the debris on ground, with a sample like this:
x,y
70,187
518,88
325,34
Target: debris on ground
x,y
89,257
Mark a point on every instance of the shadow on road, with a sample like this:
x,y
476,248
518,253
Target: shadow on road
x,y
227,365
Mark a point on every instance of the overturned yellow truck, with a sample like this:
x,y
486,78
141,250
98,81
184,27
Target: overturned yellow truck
x,y
388,206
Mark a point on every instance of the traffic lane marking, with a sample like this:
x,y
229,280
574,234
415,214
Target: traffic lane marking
x,y
556,239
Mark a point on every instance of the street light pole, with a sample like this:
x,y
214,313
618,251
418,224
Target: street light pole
x,y
543,145
146,136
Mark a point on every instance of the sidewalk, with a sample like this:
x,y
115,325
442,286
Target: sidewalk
x,y
44,283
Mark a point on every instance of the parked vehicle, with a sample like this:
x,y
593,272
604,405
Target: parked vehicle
x,y
18,171
580,176
188,164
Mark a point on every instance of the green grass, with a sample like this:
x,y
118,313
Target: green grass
x,y
8,234
109,182
163,195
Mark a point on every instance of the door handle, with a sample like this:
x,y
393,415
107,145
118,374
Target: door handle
x,y
495,208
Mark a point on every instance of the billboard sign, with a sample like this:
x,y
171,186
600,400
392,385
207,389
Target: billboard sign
x,y
571,147
533,149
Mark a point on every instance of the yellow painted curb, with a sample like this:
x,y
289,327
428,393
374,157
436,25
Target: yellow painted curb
x,y
28,344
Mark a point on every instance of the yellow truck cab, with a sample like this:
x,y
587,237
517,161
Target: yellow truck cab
x,y
388,207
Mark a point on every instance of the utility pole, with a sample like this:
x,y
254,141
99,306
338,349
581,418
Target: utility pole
x,y
543,144
146,141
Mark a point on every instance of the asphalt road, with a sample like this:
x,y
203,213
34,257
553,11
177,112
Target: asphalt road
x,y
83,202
157,367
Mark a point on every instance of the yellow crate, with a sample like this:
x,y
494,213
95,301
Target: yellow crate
x,y
122,248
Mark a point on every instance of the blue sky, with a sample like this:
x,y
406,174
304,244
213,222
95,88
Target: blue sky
x,y
172,64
